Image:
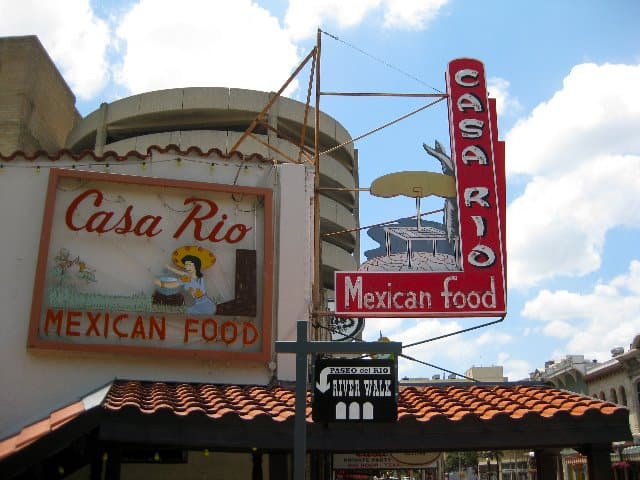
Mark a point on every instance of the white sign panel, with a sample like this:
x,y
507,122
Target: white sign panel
x,y
360,461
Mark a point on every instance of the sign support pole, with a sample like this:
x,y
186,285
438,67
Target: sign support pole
x,y
300,420
303,347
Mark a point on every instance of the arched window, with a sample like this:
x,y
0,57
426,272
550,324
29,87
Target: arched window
x,y
602,395
623,395
613,395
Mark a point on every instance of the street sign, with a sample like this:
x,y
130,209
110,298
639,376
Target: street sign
x,y
302,347
354,390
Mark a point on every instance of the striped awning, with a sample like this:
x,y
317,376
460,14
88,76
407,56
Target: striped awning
x,y
575,459
631,454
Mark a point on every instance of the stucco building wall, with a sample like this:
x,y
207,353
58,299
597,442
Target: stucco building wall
x,y
615,380
618,380
217,117
37,112
41,380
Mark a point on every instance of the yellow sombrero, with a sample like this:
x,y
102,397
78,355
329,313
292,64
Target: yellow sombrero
x,y
206,257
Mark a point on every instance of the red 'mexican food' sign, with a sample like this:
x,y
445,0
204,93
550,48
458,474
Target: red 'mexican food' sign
x,y
476,285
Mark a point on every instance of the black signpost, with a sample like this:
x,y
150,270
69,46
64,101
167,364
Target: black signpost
x,y
354,390
302,347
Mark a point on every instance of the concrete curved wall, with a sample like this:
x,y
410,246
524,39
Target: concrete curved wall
x,y
216,118
204,139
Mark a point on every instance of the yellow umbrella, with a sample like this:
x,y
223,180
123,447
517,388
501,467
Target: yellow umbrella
x,y
415,185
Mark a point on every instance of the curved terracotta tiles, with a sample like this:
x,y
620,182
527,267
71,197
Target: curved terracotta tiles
x,y
429,403
37,430
111,156
215,401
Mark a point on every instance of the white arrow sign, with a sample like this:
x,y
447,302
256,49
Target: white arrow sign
x,y
323,384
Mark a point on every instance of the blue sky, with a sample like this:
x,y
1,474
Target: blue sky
x,y
566,75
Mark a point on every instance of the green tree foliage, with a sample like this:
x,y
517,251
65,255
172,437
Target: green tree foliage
x,y
455,461
494,455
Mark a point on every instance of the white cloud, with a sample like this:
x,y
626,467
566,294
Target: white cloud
x,y
581,155
450,353
498,88
630,282
456,353
303,17
558,225
381,326
493,338
73,36
595,113
411,14
595,322
203,43
199,43
514,369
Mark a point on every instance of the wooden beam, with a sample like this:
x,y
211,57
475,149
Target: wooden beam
x,y
437,434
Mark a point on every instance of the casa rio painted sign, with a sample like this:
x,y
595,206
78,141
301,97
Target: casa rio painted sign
x,y
456,268
149,265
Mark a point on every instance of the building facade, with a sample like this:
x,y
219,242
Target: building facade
x,y
216,118
37,107
151,261
155,153
616,380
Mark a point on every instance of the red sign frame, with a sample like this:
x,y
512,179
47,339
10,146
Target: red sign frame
x,y
479,288
68,329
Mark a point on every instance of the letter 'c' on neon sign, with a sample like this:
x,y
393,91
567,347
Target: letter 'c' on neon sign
x,y
460,76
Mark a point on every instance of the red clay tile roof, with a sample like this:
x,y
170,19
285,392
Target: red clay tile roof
x,y
441,408
420,404
215,401
37,430
111,156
